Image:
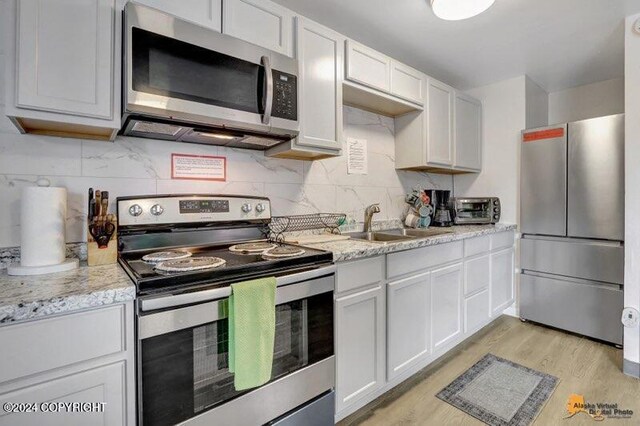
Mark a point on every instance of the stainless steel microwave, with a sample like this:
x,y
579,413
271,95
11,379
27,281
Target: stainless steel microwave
x,y
189,83
475,210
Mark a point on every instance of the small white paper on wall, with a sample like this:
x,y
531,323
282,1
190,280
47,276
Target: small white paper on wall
x,y
357,156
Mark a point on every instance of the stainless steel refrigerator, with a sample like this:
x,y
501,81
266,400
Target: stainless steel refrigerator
x,y
572,224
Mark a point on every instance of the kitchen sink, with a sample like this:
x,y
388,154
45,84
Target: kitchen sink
x,y
378,237
418,233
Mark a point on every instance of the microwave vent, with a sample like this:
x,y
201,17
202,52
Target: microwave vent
x,y
156,128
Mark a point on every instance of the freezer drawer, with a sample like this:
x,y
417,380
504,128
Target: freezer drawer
x,y
595,206
543,181
591,260
579,307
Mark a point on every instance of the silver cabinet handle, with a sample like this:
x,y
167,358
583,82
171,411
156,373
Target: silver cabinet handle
x,y
268,93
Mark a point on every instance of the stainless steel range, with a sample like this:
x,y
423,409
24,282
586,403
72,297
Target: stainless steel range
x,y
183,252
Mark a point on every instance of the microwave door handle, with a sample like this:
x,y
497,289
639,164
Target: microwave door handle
x,y
268,92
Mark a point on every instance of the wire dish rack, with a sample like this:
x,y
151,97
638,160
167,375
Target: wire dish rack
x,y
331,222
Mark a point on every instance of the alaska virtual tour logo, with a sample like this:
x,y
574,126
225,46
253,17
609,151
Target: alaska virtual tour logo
x,y
597,411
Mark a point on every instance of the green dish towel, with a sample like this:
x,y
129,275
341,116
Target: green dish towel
x,y
252,329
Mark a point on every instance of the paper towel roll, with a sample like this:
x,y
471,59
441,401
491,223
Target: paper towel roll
x,y
43,212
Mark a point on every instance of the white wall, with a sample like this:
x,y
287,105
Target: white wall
x,y
632,187
588,101
537,105
504,116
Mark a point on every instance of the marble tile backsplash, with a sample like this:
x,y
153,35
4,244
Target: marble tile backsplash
x,y
131,166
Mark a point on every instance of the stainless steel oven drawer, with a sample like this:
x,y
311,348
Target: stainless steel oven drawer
x,y
581,307
588,259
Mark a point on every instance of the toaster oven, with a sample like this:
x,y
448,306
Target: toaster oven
x,y
475,210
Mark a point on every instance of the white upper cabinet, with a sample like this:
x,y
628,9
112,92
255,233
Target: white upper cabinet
x,y
65,60
260,22
368,67
444,138
207,13
468,132
406,82
63,67
439,124
320,55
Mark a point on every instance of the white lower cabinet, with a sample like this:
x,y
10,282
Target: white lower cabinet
x,y
360,345
80,357
408,309
412,307
476,311
98,385
446,304
502,280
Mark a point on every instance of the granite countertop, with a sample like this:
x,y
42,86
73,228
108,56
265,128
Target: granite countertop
x,y
27,297
355,249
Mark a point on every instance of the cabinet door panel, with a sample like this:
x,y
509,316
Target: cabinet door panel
x,y
320,55
360,343
408,322
406,82
65,61
259,22
439,123
502,280
476,311
446,304
368,67
477,274
207,13
468,132
102,384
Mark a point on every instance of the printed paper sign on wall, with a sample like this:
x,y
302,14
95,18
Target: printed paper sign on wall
x,y
198,167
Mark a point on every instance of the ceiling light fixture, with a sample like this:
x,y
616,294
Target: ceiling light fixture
x,y
456,10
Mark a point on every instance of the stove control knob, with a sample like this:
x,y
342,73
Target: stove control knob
x,y
156,210
135,210
247,207
260,207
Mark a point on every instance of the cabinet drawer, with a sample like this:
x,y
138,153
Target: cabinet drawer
x,y
477,245
477,274
502,240
406,83
476,311
359,273
98,385
405,262
368,67
61,341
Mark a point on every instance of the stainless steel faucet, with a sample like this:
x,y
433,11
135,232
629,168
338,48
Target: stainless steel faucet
x,y
368,215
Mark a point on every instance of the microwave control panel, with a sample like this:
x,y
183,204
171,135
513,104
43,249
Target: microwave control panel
x,y
285,96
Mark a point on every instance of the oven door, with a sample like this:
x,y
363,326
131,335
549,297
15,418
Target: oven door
x,y
183,356
180,71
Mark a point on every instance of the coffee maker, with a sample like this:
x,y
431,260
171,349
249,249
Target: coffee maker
x,y
442,214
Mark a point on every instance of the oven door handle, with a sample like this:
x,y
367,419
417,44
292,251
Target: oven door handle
x,y
168,321
163,302
268,92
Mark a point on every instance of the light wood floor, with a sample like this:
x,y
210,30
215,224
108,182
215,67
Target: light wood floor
x,y
584,367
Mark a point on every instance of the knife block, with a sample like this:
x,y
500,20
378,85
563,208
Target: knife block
x,y
102,256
